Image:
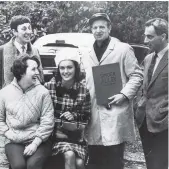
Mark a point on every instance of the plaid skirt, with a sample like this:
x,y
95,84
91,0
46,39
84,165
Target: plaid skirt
x,y
62,147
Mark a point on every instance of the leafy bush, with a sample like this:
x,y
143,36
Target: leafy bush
x,y
47,17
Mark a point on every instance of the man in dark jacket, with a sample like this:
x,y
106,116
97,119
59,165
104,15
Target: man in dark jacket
x,y
152,112
19,44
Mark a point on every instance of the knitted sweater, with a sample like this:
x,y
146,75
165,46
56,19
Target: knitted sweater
x,y
25,115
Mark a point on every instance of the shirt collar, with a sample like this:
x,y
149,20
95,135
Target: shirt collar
x,y
15,83
19,46
104,43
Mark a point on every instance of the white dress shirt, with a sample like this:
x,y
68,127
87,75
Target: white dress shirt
x,y
19,47
160,55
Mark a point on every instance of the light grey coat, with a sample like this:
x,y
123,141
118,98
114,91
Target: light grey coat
x,y
114,126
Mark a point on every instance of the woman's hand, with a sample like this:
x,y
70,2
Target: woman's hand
x,y
67,115
30,149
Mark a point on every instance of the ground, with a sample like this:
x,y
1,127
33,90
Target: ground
x,y
133,156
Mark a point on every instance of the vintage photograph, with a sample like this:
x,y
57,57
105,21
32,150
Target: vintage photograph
x,y
84,84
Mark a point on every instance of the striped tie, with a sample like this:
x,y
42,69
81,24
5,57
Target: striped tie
x,y
151,68
23,49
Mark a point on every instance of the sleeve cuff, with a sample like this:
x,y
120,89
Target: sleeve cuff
x,y
125,96
37,141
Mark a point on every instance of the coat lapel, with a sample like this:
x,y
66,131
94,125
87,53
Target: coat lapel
x,y
163,63
93,56
108,50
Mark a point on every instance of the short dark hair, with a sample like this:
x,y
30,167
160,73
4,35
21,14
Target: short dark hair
x,y
78,74
20,65
18,20
160,25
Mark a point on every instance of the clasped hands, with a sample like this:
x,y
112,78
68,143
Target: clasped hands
x,y
67,115
117,99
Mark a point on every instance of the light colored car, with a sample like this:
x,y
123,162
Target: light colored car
x,y
49,45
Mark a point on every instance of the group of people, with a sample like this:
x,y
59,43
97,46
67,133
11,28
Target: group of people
x,y
29,108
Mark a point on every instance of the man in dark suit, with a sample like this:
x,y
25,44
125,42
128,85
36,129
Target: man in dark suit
x,y
152,111
19,44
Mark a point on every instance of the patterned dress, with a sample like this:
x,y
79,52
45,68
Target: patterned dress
x,y
75,99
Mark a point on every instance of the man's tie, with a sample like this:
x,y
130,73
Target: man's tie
x,y
151,68
23,49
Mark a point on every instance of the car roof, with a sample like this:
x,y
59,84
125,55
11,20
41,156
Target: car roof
x,y
76,39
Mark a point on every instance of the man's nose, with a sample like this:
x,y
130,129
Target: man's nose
x,y
146,40
29,31
98,29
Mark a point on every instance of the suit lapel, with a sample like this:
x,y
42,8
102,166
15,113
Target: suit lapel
x,y
163,63
108,50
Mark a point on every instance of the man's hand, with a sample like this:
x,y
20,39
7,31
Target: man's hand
x,y
30,149
117,99
67,115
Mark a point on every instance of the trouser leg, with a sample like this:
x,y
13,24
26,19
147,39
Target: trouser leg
x,y
107,157
14,153
155,147
38,159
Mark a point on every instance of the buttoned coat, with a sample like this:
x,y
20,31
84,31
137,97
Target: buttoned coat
x,y
154,101
114,126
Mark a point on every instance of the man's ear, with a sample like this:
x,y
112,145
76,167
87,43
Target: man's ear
x,y
14,32
164,36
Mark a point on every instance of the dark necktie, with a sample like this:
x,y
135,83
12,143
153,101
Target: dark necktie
x,y
151,68
23,49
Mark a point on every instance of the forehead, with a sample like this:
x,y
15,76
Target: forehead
x,y
24,25
149,30
66,63
99,22
31,63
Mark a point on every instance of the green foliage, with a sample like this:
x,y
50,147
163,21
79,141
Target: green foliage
x,y
128,17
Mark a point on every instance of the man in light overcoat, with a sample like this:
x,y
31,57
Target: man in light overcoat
x,y
112,125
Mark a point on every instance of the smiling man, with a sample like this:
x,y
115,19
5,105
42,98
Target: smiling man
x,y
113,124
19,44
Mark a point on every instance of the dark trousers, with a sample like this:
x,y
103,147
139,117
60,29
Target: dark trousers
x,y
17,160
106,157
155,146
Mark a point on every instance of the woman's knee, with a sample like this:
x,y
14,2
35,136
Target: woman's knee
x,y
18,166
80,163
69,155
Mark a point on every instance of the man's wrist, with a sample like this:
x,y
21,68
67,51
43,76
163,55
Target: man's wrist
x,y
124,96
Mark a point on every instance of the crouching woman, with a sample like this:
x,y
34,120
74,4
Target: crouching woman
x,y
26,116
71,102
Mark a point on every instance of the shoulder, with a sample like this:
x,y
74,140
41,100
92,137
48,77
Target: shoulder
x,y
1,47
123,46
33,48
7,89
148,57
41,90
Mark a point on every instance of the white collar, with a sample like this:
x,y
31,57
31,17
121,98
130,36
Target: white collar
x,y
162,52
19,46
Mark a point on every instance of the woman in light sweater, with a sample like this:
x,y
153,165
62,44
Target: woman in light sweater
x,y
26,116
